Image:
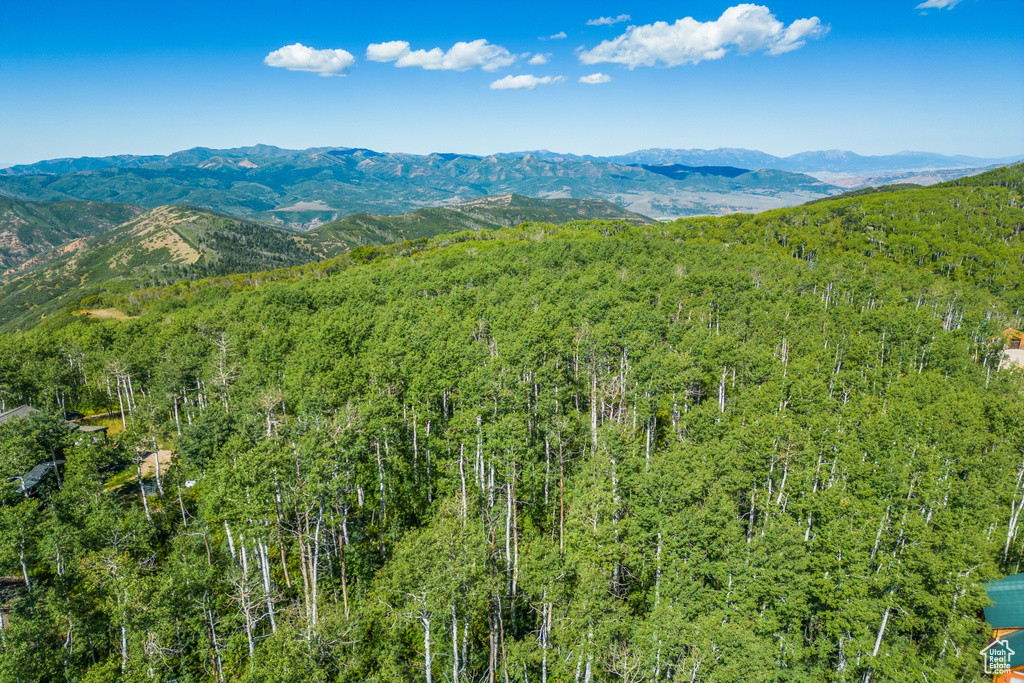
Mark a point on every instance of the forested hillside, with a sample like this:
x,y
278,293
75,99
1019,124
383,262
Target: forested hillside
x,y
173,244
31,229
162,246
764,448
487,213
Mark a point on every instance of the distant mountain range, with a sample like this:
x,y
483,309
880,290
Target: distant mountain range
x,y
302,189
306,188
830,161
173,243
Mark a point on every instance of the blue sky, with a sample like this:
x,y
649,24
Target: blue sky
x,y
98,78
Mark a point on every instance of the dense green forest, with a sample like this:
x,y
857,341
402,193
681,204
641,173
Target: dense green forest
x,y
174,244
489,213
779,447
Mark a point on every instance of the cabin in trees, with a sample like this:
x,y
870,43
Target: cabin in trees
x,y
1014,338
34,476
1004,656
1013,347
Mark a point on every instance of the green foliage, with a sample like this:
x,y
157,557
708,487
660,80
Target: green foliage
x,y
748,448
489,213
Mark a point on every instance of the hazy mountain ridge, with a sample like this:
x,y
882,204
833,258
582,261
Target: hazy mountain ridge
x,y
835,161
278,185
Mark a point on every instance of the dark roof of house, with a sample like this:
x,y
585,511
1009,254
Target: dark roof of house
x,y
25,411
20,411
88,429
1008,609
35,475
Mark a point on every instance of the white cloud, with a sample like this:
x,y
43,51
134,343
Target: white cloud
x,y
524,82
461,56
938,4
595,79
298,57
561,35
387,52
538,59
608,21
747,28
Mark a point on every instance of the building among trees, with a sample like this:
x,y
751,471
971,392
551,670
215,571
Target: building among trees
x,y
1004,656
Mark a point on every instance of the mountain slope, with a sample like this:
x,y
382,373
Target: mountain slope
x,y
307,188
169,244
29,229
161,246
488,213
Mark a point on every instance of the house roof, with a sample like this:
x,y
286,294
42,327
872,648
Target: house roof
x,y
1008,608
35,475
1014,641
25,411
20,411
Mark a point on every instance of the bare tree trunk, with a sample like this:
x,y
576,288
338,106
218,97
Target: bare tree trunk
x,y
265,571
181,504
492,642
721,391
124,643
120,402
24,567
462,473
561,500
156,459
425,620
315,572
142,490
881,632
231,541
430,493
455,647
545,617
243,591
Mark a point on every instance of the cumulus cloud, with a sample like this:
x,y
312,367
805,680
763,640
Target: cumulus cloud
x,y
608,21
524,82
461,56
595,79
538,59
561,35
387,52
298,57
746,28
938,4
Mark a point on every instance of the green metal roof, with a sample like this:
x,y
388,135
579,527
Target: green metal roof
x,y
1008,596
1015,641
